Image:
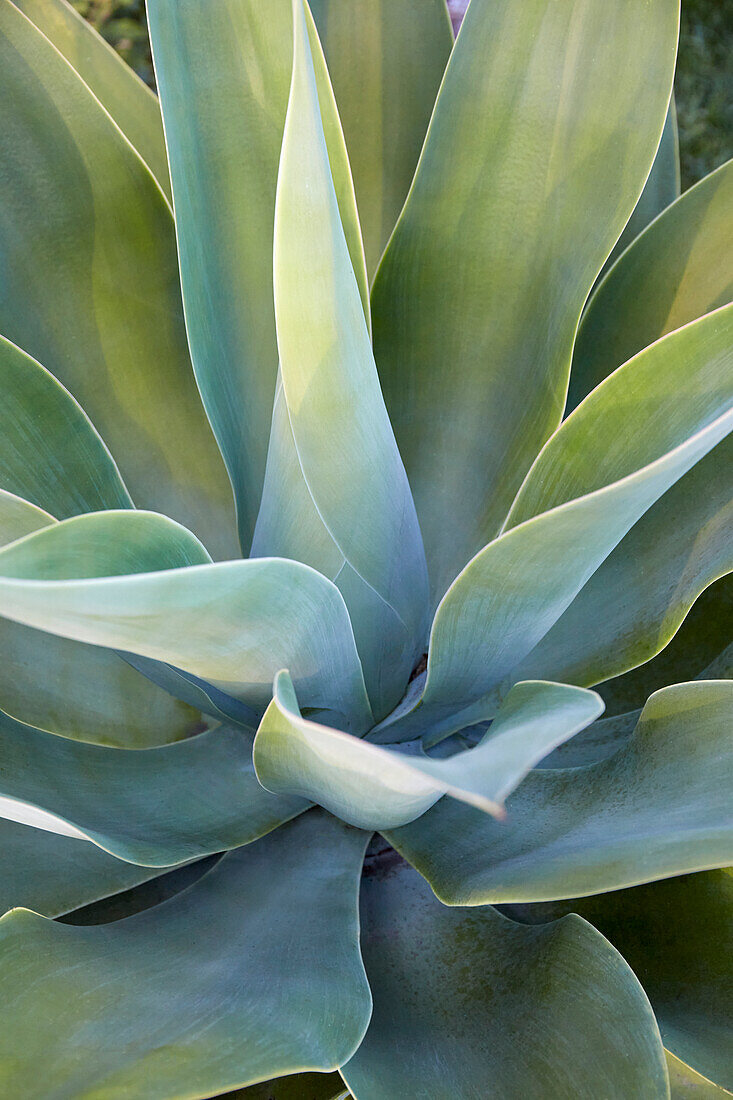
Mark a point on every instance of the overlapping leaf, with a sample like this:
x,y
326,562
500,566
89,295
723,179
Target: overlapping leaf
x,y
276,984
629,442
116,85
92,291
126,580
223,74
386,61
470,1004
677,270
518,198
657,808
378,788
154,807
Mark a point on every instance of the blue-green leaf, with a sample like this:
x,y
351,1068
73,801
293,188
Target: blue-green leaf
x,y
678,269
386,61
469,1004
55,874
636,435
50,453
92,289
126,580
116,85
154,807
676,937
378,788
275,984
223,73
657,808
340,440
543,134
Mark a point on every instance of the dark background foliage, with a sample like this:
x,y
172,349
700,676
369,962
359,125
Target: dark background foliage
x,y
703,85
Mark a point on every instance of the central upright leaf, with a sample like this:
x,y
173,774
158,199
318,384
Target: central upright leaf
x,y
340,428
542,136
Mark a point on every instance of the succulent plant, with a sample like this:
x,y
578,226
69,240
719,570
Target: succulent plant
x,y
306,568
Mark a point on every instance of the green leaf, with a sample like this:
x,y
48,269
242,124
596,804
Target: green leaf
x,y
517,201
470,1004
386,62
678,269
144,896
635,602
55,874
50,453
657,808
377,788
232,623
697,651
223,73
95,293
619,452
686,1084
19,517
661,188
157,807
276,984
119,89
675,935
344,448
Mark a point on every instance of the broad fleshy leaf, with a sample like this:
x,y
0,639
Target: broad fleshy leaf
x,y
542,137
471,1004
678,269
223,73
377,788
661,188
697,651
622,449
154,807
92,292
18,517
154,891
678,938
635,602
386,62
657,808
232,623
276,984
116,85
340,432
50,453
55,874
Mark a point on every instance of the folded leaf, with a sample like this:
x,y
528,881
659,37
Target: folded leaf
x,y
116,85
223,73
50,452
378,788
232,623
276,984
685,1084
455,990
658,807
55,874
154,807
386,61
93,291
677,270
517,201
676,936
340,432
629,442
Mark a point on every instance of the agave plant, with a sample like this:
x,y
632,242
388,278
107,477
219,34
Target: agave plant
x,y
270,734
